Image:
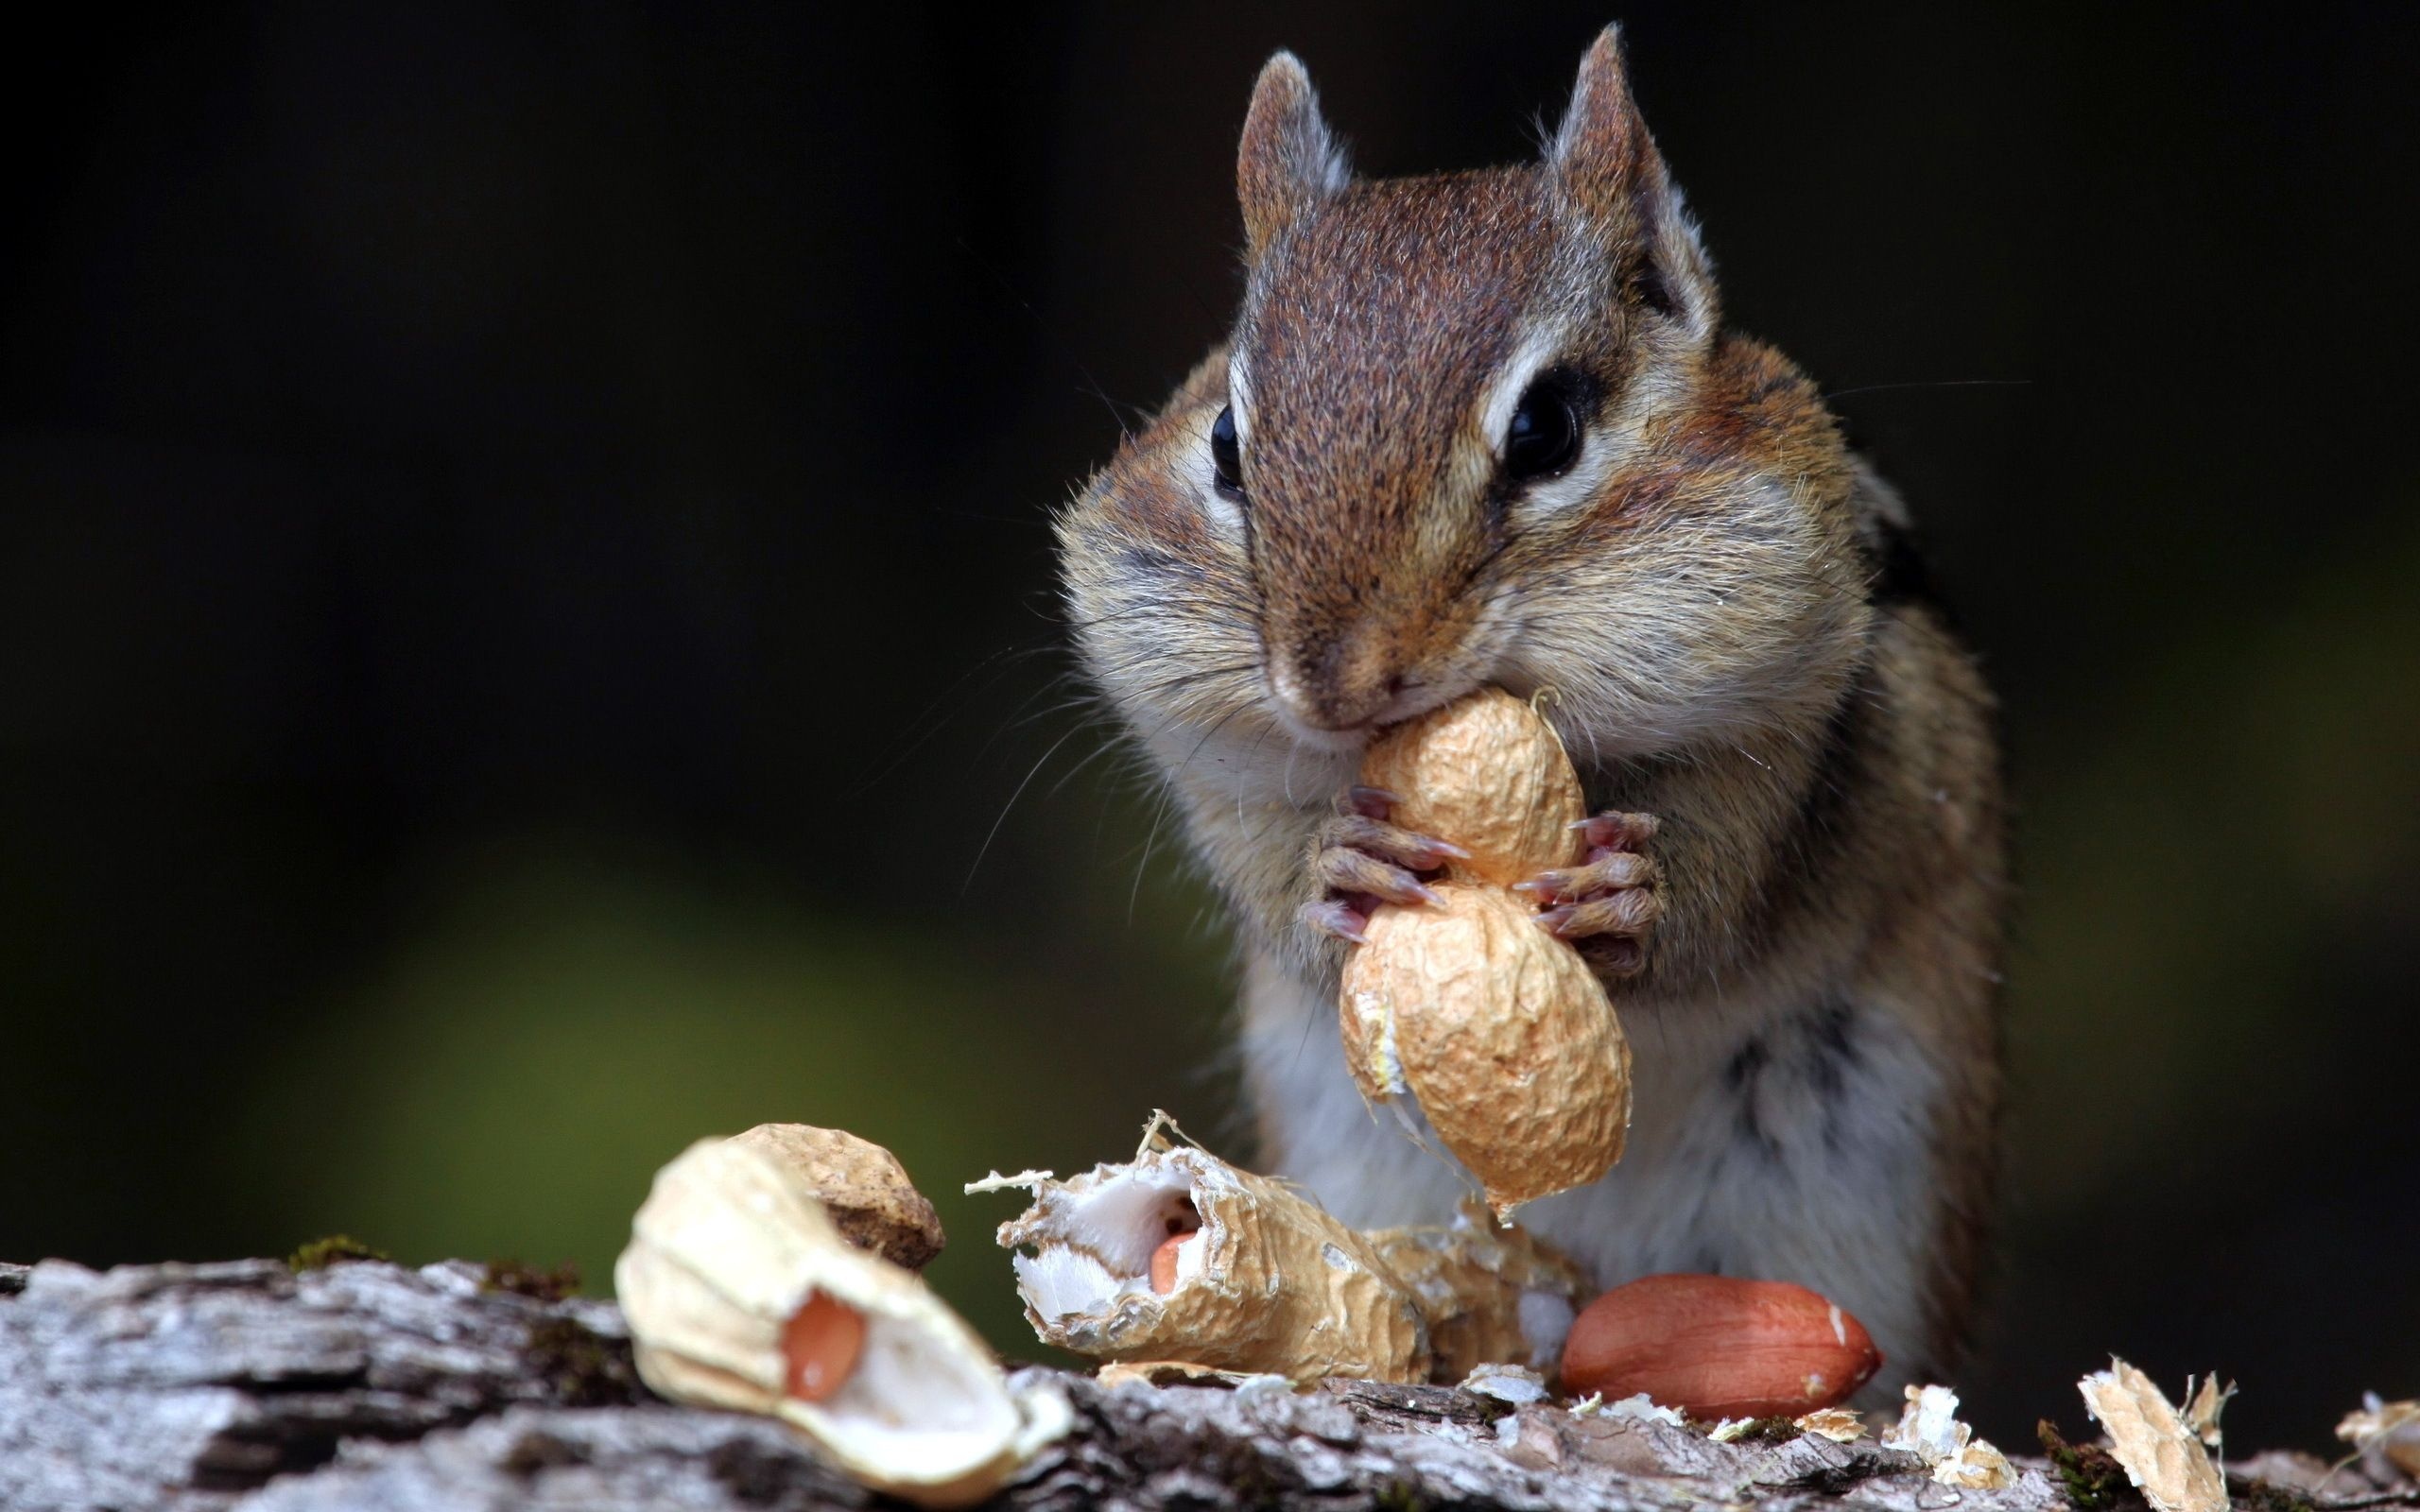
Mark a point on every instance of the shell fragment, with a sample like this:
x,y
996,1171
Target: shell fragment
x,y
1490,1295
735,1283
2162,1452
1264,1280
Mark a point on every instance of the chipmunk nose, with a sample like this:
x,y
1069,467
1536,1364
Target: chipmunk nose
x,y
1343,682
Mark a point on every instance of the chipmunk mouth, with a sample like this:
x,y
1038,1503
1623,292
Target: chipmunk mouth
x,y
1335,689
1314,721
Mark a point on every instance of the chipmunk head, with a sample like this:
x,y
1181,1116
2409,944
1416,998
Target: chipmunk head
x,y
1469,428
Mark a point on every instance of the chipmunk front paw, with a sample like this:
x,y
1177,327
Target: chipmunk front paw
x,y
1361,860
1608,904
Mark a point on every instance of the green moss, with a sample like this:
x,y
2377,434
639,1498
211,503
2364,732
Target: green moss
x,y
321,1253
545,1284
581,1366
2090,1475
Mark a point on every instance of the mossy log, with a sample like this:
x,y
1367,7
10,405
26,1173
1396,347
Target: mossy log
x,y
364,1386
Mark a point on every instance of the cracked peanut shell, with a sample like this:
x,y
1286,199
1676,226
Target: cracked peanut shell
x,y
1265,1282
863,1188
742,1294
1490,1295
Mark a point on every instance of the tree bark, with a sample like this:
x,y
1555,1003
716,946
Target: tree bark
x,y
369,1387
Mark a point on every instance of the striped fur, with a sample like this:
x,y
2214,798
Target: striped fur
x,y
1717,592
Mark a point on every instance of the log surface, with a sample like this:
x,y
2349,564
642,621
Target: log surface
x,y
370,1387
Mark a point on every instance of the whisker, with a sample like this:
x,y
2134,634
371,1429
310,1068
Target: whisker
x,y
1167,797
1150,839
1216,726
995,832
1201,674
1069,775
1078,701
934,718
1173,776
1244,767
1232,624
1012,720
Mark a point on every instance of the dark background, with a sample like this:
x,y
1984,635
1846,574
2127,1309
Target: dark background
x,y
526,592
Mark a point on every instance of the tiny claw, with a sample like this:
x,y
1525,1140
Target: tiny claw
x,y
1627,914
1369,802
1617,832
1606,870
1341,920
1348,871
1444,848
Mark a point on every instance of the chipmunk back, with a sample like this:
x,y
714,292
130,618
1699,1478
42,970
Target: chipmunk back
x,y
1488,428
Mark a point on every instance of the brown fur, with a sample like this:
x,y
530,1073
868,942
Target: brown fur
x,y
1815,1021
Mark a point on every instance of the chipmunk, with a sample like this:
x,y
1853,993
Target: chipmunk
x,y
1487,428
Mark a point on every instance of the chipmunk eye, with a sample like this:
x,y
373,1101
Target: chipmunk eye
x,y
1544,437
1226,452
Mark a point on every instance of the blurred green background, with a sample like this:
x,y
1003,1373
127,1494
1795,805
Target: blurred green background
x,y
526,628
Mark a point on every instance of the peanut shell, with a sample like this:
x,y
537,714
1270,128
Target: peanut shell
x,y
1501,1031
1488,774
864,1189
730,1249
2163,1456
1489,1295
1929,1430
1267,1281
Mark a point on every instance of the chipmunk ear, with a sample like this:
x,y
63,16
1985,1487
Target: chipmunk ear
x,y
1288,160
1607,170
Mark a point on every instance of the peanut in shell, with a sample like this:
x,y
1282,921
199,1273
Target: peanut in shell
x,y
1487,773
1499,1030
1502,1034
